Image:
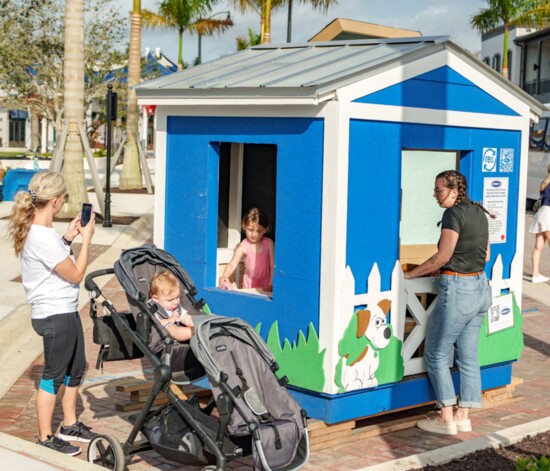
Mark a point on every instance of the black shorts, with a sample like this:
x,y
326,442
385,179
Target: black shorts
x,y
64,356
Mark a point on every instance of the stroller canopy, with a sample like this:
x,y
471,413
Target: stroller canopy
x,y
151,254
208,326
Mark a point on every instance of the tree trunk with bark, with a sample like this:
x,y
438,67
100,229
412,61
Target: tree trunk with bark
x,y
131,172
73,70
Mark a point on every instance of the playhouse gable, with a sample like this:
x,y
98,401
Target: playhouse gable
x,y
443,89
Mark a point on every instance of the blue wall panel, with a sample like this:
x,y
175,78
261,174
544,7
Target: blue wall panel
x,y
375,182
191,214
440,89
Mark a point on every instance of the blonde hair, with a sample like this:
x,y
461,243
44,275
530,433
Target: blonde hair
x,y
43,187
163,281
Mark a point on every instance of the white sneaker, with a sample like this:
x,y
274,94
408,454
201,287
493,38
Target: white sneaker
x,y
540,279
463,425
435,426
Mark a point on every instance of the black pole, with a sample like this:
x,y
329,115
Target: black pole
x,y
289,23
107,216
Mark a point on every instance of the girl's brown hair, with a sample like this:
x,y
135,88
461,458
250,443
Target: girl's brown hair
x,y
255,216
455,180
43,187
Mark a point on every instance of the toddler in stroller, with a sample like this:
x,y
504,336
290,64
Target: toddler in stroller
x,y
251,412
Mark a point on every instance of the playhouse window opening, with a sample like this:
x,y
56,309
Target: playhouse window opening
x,y
420,214
247,179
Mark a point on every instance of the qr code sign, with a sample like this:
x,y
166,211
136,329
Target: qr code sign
x,y
506,161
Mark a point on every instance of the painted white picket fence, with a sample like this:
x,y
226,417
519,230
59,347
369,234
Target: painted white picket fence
x,y
404,297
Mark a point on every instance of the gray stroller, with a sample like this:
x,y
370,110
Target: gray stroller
x,y
251,412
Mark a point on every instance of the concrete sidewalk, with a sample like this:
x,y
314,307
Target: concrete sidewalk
x,y
398,450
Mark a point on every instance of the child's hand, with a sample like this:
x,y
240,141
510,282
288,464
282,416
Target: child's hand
x,y
225,283
187,320
174,317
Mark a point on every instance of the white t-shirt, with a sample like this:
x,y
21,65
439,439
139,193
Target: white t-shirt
x,y
47,292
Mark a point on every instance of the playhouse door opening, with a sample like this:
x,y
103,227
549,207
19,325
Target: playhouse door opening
x,y
420,213
247,179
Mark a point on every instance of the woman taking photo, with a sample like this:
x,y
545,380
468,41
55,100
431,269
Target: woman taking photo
x,y
464,296
51,276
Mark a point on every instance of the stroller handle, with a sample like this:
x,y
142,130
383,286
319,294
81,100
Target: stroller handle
x,y
91,285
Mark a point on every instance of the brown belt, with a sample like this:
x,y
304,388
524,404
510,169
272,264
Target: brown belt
x,y
455,273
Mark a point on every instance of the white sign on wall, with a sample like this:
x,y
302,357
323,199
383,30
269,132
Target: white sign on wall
x,y
501,314
495,200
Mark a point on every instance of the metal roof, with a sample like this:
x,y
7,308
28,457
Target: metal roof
x,y
312,71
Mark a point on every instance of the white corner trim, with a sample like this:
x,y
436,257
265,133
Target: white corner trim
x,y
333,235
160,176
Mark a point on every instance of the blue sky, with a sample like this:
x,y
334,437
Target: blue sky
x,y
430,17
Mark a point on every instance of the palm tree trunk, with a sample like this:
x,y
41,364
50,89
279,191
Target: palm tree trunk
x,y
505,52
73,71
180,50
130,177
267,25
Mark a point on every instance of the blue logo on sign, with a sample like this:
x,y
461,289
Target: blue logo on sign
x,y
489,159
505,311
496,184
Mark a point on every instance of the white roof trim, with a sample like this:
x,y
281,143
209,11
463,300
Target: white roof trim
x,y
402,114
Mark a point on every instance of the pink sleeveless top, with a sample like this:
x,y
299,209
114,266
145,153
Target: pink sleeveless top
x,y
257,267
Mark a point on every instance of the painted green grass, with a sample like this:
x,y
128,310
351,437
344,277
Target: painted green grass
x,y
302,361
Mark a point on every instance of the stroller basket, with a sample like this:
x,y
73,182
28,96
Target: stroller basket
x,y
173,438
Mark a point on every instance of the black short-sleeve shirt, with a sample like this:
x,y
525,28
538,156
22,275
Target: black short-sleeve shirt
x,y
470,221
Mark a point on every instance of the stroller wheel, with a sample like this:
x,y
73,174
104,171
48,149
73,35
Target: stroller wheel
x,y
106,451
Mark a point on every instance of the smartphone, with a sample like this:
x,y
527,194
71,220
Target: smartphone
x,y
86,214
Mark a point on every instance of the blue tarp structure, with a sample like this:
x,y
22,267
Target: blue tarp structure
x,y
156,67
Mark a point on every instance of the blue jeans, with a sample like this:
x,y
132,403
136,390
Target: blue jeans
x,y
456,320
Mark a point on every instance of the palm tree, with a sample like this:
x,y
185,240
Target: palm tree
x,y
529,13
182,15
253,40
73,72
316,4
130,177
263,9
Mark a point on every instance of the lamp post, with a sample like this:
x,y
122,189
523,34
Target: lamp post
x,y
111,112
227,20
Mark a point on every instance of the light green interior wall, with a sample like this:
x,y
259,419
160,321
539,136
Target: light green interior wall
x,y
419,210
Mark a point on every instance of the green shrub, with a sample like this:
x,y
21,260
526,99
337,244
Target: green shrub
x,y
531,463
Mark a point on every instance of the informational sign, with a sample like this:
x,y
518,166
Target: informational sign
x,y
501,314
495,200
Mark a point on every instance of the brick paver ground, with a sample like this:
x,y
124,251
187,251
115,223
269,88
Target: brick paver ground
x,y
98,397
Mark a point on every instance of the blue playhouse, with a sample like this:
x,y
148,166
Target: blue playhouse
x,y
339,143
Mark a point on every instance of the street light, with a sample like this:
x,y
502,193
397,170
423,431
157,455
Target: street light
x,y
226,22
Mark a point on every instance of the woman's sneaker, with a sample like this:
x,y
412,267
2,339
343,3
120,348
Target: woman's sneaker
x,y
56,444
78,432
